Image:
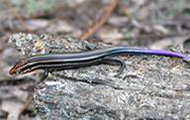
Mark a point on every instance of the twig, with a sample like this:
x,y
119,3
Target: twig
x,y
94,27
26,104
125,10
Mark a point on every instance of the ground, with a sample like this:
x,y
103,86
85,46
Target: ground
x,y
156,24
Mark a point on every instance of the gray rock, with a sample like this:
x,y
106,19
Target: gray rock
x,y
151,87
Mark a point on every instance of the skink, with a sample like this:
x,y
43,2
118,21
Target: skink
x,y
55,62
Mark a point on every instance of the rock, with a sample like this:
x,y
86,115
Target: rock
x,y
150,88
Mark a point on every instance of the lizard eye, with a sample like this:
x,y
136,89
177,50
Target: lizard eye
x,y
17,72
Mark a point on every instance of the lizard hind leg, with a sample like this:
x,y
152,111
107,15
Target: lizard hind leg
x,y
113,61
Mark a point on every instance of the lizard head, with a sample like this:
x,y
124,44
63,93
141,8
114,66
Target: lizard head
x,y
18,67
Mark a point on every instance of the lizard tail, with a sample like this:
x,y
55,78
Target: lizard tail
x,y
186,58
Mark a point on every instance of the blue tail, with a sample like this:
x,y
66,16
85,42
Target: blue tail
x,y
186,58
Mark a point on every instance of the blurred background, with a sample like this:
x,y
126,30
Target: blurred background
x,y
155,24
